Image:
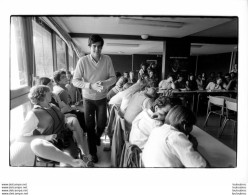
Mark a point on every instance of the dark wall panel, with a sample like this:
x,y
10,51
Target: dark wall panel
x,y
121,63
214,63
139,58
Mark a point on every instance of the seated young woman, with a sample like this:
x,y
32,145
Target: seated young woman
x,y
70,119
44,126
148,119
169,145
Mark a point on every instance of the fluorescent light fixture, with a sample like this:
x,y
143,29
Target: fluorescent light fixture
x,y
146,22
122,44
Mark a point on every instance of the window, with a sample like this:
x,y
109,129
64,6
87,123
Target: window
x,y
17,116
42,39
61,53
18,62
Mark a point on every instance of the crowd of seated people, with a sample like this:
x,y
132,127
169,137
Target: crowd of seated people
x,y
201,82
157,122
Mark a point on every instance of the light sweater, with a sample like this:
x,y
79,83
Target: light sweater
x,y
167,147
89,72
142,127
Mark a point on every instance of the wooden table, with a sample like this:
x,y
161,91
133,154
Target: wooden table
x,y
215,152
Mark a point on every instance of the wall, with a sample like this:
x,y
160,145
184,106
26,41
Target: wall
x,y
214,63
139,58
121,63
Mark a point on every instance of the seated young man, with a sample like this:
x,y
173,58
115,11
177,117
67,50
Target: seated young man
x,y
117,88
169,145
44,128
138,102
215,86
148,119
73,91
60,89
130,89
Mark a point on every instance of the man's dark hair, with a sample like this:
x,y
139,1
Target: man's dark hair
x,y
95,38
57,74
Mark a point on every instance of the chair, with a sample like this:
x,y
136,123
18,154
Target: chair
x,y
130,156
229,116
38,159
73,150
215,102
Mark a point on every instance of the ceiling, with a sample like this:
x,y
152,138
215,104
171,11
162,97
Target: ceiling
x,y
122,34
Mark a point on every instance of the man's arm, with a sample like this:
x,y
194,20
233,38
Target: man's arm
x,y
111,75
78,79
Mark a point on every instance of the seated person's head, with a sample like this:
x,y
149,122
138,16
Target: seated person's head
x,y
219,81
39,93
151,73
170,78
125,74
45,81
59,77
69,75
162,105
126,86
143,65
118,75
122,80
131,74
181,118
227,77
191,77
151,90
233,75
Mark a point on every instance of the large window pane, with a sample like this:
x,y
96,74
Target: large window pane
x,y
61,53
18,60
17,116
43,51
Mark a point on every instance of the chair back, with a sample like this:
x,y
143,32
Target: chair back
x,y
231,105
216,100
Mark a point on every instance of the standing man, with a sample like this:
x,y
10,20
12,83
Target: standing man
x,y
94,74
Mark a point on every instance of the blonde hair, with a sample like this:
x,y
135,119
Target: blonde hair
x,y
37,93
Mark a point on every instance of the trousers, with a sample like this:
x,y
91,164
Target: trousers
x,y
95,113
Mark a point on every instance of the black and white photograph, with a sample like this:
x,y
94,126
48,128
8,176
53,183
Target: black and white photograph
x,y
147,101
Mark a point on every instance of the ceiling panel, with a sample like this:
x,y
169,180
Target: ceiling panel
x,y
174,27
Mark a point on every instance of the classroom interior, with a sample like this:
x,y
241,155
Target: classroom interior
x,y
198,44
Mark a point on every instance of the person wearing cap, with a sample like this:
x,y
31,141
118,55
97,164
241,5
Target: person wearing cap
x,y
94,73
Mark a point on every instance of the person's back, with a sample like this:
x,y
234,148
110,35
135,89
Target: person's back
x,y
142,126
136,105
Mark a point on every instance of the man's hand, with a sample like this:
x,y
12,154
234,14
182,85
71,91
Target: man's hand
x,y
97,86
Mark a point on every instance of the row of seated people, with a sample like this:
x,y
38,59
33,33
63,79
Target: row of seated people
x,y
160,127
181,82
55,123
229,82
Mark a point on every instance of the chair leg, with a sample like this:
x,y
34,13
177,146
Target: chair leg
x,y
222,128
35,159
220,120
205,124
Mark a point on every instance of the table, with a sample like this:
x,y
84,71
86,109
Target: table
x,y
200,93
228,99
215,152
